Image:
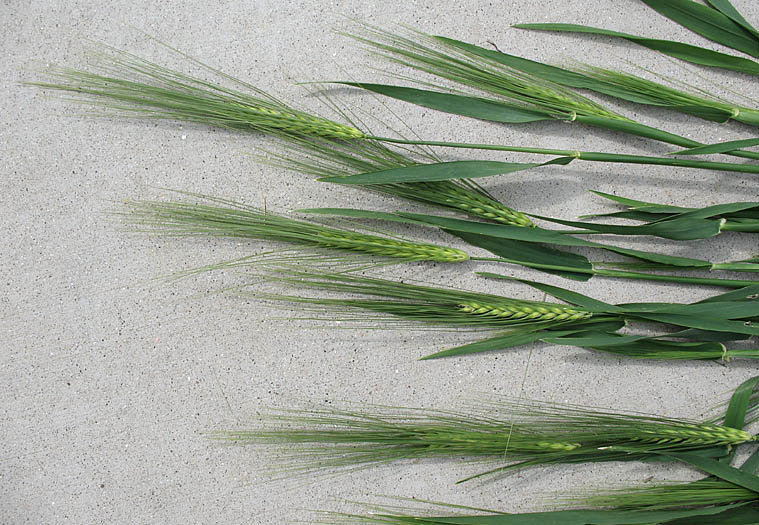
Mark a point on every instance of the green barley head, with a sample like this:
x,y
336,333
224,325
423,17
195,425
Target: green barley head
x,y
225,218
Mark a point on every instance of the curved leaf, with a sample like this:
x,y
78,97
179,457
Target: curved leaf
x,y
727,9
707,22
686,52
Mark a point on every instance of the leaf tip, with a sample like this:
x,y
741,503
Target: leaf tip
x,y
334,180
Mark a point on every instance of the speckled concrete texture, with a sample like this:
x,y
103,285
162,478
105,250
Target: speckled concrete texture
x,y
108,380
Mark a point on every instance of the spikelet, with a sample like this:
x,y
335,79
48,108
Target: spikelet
x,y
473,203
299,123
166,94
697,434
519,310
382,246
239,220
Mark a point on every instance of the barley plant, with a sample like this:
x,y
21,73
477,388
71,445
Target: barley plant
x,y
509,434
718,21
128,86
524,90
710,329
224,218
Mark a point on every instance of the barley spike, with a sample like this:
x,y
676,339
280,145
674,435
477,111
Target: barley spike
x,y
523,311
475,204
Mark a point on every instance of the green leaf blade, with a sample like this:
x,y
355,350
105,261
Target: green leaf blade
x,y
720,147
727,9
686,52
707,22
440,171
464,105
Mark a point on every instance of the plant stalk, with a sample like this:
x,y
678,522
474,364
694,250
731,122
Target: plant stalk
x,y
586,155
624,274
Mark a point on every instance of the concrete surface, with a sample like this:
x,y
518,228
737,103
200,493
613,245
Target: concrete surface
x,y
108,382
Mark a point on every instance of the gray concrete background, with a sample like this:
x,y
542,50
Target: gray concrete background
x,y
107,383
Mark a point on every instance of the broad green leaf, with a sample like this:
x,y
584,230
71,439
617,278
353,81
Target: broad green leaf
x,y
539,235
720,210
499,342
525,336
677,229
568,265
464,105
702,323
674,222
748,293
504,231
460,169
637,205
720,147
638,129
743,515
640,216
647,347
702,335
687,52
704,112
735,416
707,22
594,324
751,465
726,310
727,9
